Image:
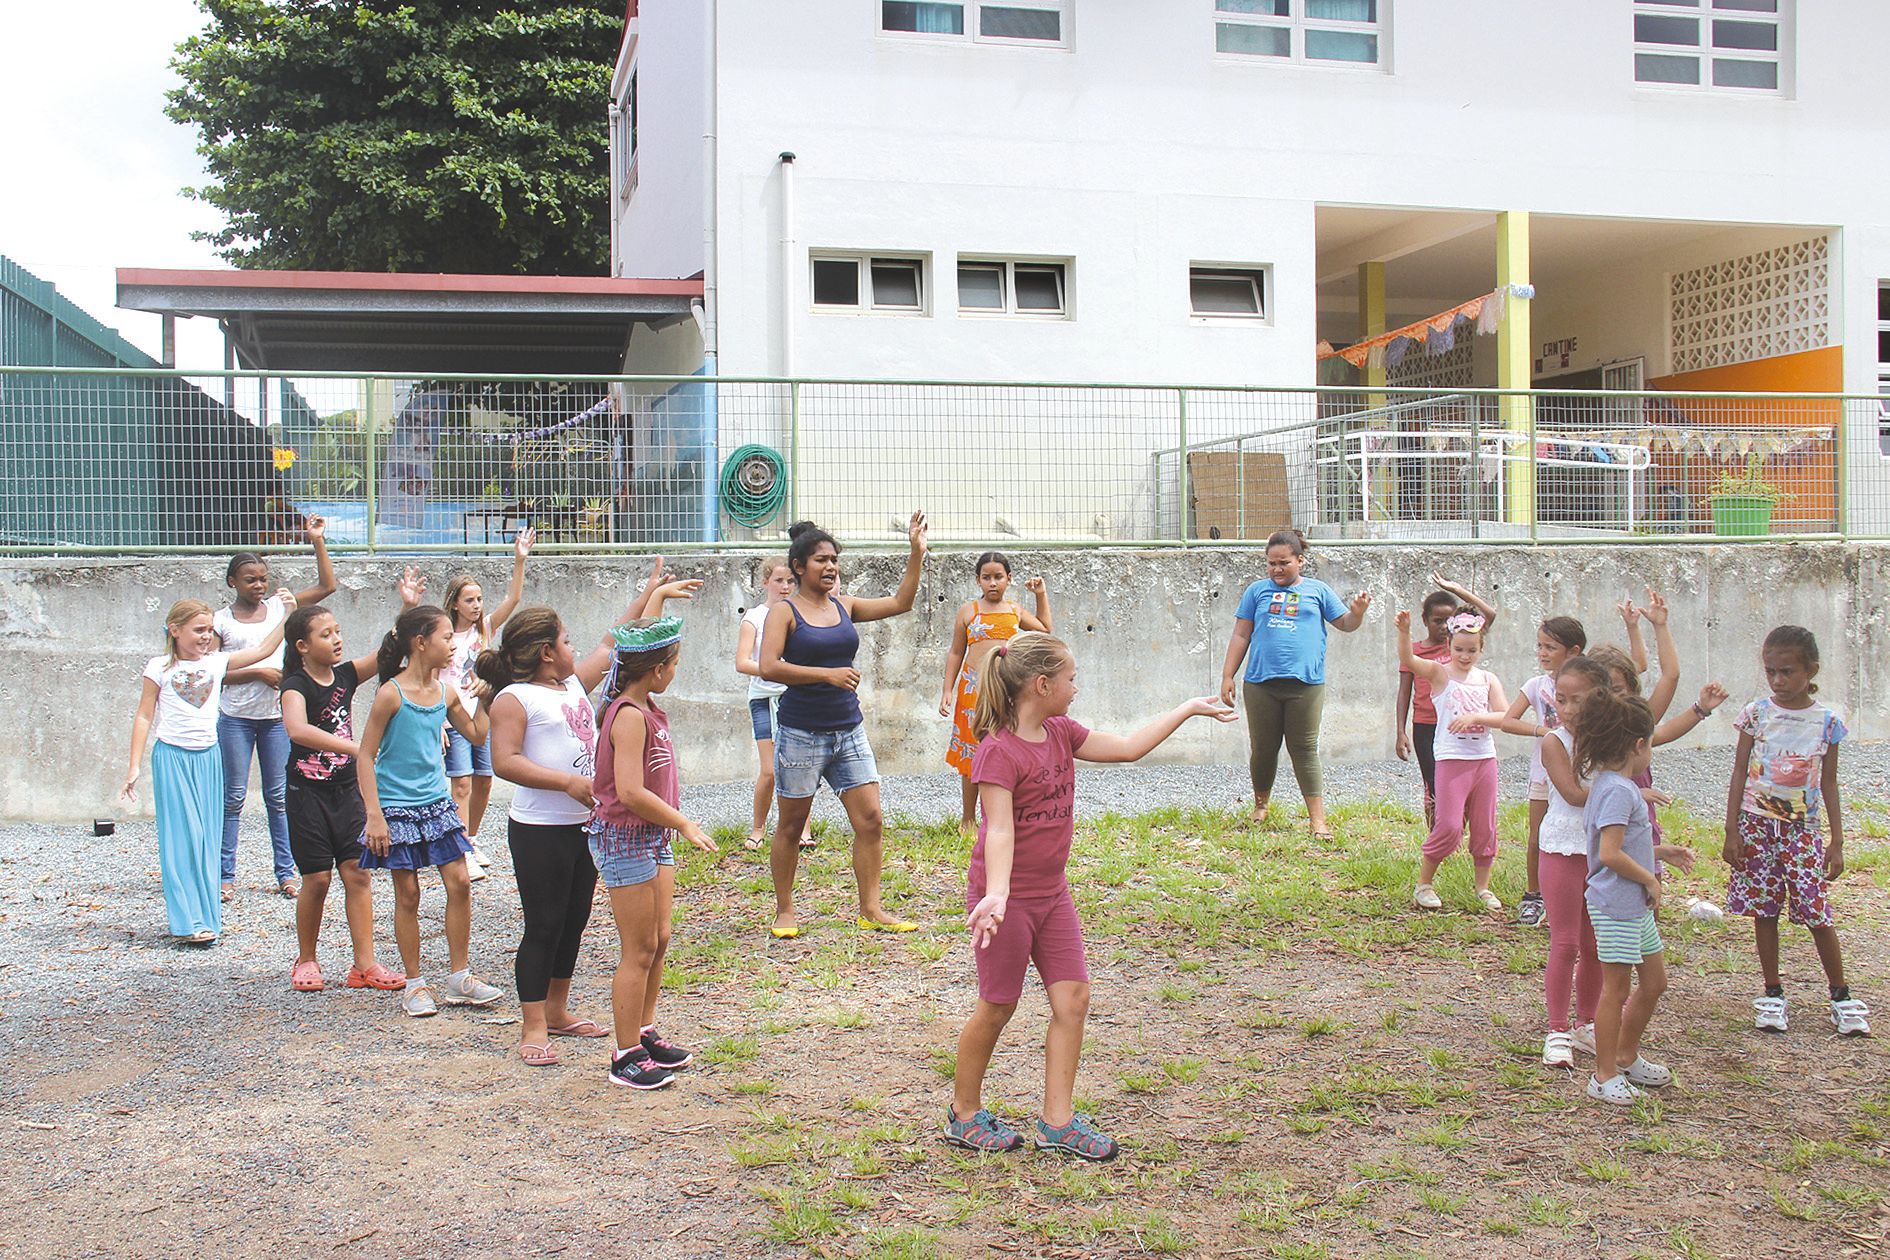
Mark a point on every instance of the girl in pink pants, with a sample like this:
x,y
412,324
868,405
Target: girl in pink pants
x,y
1465,751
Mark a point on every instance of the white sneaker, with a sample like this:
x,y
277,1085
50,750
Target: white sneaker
x,y
1582,1037
1647,1075
1557,1050
1617,1090
1768,1014
479,854
475,869
467,990
1851,1018
418,1002
1427,898
1489,899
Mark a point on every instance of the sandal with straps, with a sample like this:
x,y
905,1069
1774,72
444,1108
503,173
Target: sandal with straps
x,y
1079,1137
982,1132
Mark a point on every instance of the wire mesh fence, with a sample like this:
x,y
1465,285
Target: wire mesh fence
x,y
133,460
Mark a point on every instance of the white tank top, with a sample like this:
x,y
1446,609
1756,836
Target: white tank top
x,y
1562,829
1454,700
560,734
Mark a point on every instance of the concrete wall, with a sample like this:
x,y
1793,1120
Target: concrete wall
x,y
1148,629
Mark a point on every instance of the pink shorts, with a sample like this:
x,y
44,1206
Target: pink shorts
x,y
1045,931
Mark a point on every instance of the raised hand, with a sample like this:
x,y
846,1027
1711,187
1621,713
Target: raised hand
x,y
1403,620
1655,610
314,528
1360,602
916,533
1034,585
1629,613
287,597
1712,696
522,545
412,586
681,588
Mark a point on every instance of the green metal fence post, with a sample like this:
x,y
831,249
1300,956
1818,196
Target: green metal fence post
x,y
367,456
1181,465
1841,465
1535,486
794,451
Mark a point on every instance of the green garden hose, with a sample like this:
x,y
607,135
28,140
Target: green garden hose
x,y
754,485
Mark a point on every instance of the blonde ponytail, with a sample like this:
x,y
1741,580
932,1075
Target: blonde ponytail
x,y
1005,672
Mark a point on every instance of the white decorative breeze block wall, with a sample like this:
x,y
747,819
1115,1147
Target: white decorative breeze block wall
x,y
1777,301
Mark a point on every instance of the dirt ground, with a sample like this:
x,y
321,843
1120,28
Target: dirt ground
x,y
1298,1064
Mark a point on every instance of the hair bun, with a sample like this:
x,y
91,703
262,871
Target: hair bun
x,y
800,527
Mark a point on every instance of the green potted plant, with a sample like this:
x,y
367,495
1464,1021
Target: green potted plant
x,y
1743,502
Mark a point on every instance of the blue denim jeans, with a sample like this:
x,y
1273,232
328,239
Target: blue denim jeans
x,y
237,738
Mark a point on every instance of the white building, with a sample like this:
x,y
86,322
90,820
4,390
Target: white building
x,y
1202,191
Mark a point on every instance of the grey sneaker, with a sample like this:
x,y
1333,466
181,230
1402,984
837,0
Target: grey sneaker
x,y
1851,1018
1532,912
418,1002
467,990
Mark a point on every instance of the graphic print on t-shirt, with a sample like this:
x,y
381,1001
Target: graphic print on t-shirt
x,y
1283,611
577,717
337,719
659,754
193,685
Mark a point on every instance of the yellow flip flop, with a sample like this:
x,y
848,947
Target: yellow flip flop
x,y
784,934
899,925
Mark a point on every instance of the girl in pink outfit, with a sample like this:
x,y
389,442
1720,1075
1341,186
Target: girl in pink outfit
x,y
1465,752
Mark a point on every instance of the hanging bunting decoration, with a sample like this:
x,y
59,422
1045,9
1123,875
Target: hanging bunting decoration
x,y
1433,335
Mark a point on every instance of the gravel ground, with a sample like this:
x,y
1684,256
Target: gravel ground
x,y
159,1096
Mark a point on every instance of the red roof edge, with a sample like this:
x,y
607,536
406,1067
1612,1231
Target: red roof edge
x,y
405,282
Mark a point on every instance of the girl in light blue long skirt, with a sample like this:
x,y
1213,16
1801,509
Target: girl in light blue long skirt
x,y
181,689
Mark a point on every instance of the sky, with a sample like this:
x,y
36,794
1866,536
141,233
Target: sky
x,y
94,169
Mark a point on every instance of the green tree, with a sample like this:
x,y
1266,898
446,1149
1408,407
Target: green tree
x,y
376,135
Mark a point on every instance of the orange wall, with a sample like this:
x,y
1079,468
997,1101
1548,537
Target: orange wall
x,y
1811,481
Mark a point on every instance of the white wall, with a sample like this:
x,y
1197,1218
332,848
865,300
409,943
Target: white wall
x,y
658,228
1139,149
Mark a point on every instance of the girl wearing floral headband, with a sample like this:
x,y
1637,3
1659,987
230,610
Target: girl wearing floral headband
x,y
1465,753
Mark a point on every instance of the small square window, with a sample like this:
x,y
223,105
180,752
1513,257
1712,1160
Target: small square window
x,y
1745,74
1039,288
896,283
1653,68
1005,22
836,282
922,19
1227,291
981,286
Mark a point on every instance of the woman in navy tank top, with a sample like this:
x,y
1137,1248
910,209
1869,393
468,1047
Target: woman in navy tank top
x,y
808,643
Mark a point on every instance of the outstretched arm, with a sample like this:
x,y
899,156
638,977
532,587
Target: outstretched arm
x,y
521,551
1711,697
901,600
1102,746
315,529
1464,594
1656,613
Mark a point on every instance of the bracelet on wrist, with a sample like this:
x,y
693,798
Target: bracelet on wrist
x,y
1703,712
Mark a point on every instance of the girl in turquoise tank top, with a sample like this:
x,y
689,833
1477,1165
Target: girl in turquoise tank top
x,y
411,820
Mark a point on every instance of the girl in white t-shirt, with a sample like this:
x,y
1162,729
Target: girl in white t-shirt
x,y
249,715
469,765
778,584
179,700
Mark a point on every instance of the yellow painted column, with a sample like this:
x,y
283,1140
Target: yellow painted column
x,y
1371,322
1513,360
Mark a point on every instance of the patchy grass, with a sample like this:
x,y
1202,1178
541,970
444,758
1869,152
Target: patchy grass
x,y
1296,1062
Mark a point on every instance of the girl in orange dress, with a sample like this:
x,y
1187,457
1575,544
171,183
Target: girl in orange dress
x,y
981,625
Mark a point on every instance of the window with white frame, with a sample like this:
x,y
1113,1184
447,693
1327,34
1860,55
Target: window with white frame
x,y
893,284
1042,22
1216,292
624,123
1322,31
1738,45
1003,286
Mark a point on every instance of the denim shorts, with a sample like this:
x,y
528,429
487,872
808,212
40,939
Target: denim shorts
x,y
463,757
628,855
761,713
803,758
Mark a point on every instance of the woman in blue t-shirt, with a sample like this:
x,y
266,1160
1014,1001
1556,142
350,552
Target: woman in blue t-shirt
x,y
1283,619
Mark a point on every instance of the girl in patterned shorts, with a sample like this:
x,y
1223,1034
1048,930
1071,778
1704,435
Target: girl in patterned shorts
x,y
1784,768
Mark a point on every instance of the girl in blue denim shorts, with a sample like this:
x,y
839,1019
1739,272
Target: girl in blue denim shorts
x,y
637,798
809,643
